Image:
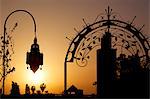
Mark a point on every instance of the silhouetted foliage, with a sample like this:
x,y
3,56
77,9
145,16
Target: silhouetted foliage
x,y
38,92
27,89
15,91
33,89
0,91
42,86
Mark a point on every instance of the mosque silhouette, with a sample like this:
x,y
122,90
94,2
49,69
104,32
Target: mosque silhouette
x,y
133,82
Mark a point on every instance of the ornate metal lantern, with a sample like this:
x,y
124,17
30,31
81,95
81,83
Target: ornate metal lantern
x,y
34,57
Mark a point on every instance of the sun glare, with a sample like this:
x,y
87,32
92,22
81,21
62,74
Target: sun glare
x,y
36,78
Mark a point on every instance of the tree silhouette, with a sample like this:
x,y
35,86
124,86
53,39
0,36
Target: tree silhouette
x,y
33,89
27,90
15,89
0,91
42,86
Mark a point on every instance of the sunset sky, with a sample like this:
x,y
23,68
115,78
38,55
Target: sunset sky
x,y
55,20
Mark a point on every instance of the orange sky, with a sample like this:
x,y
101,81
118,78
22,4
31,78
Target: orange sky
x,y
55,20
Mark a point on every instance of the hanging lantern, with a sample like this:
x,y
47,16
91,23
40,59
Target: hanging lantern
x,y
34,57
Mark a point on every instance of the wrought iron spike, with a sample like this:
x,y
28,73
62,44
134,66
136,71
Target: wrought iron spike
x,y
76,30
84,22
68,39
133,20
142,27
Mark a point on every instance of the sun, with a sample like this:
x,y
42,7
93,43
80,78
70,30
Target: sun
x,y
36,78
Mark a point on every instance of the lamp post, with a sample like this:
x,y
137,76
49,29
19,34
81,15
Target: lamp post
x,y
4,50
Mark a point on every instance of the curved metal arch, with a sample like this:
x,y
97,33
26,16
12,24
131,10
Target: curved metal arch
x,y
76,41
21,11
81,35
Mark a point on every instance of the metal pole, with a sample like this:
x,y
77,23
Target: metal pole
x,y
65,77
4,44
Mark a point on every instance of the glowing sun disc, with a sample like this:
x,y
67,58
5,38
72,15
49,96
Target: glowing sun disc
x,y
36,78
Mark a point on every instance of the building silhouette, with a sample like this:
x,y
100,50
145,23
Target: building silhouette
x,y
133,81
74,92
106,57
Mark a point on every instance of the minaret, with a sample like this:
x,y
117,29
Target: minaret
x,y
106,57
